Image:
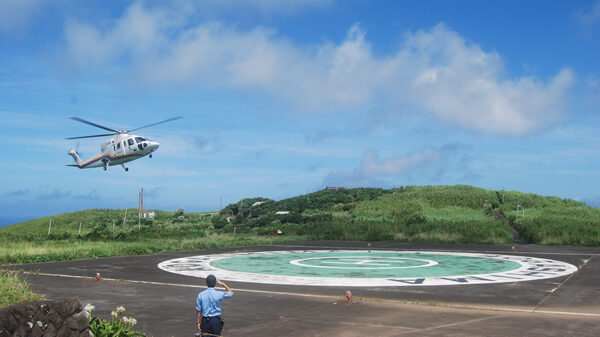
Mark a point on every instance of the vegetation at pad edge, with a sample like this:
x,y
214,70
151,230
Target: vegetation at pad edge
x,y
14,289
118,326
449,214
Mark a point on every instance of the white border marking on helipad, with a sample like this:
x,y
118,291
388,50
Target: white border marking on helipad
x,y
532,268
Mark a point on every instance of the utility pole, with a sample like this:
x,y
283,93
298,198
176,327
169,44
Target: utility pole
x,y
49,227
125,217
140,208
80,229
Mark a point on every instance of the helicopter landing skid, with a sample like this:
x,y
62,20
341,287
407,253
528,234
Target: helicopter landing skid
x,y
125,168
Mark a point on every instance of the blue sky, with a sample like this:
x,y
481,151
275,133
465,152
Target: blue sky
x,y
281,98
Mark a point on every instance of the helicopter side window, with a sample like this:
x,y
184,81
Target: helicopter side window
x,y
118,145
130,141
140,139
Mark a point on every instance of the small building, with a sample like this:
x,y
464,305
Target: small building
x,y
335,188
148,215
258,203
282,212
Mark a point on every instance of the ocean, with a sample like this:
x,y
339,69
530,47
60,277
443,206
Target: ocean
x,y
9,220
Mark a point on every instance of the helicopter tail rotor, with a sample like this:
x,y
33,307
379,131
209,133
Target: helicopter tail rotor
x,y
75,156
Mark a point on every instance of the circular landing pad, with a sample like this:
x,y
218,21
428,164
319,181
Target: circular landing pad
x,y
359,268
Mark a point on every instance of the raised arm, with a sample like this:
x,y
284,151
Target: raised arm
x,y
225,286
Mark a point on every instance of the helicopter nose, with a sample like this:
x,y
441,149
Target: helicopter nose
x,y
153,146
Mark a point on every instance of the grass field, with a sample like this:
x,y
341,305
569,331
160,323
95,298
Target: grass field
x,y
17,252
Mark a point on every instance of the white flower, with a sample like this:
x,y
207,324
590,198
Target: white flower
x,y
114,314
132,321
120,309
125,319
40,324
87,310
30,325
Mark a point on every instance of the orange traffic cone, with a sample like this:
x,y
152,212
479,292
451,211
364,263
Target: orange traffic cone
x,y
348,296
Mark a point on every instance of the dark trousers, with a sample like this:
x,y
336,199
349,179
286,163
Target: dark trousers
x,y
211,325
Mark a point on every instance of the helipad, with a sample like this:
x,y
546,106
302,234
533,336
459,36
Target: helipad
x,y
360,268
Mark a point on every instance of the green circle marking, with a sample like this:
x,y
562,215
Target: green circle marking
x,y
345,264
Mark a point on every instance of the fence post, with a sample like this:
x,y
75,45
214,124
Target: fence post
x,y
80,229
49,227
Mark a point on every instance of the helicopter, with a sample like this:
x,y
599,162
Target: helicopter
x,y
123,147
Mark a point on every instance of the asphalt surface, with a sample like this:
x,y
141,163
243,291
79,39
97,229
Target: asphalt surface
x,y
163,303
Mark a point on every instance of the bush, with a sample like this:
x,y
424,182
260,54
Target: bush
x,y
218,222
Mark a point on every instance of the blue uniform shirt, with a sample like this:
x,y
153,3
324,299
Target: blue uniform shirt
x,y
209,302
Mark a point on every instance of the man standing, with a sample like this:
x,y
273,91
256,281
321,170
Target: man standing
x,y
208,307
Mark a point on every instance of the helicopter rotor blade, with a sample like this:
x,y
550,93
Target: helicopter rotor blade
x,y
93,136
149,125
93,124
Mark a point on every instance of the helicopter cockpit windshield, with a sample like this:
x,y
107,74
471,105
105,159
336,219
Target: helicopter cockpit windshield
x,y
141,142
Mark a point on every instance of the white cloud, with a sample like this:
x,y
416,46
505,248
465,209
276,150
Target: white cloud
x,y
435,70
265,6
589,16
429,162
14,14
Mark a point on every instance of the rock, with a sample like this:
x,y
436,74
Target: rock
x,y
44,319
50,331
36,331
86,333
63,332
55,318
78,322
69,307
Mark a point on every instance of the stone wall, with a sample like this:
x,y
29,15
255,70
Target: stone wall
x,y
45,319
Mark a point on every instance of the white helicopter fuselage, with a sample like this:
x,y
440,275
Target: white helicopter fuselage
x,y
119,149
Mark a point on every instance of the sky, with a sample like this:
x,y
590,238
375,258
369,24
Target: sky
x,y
283,98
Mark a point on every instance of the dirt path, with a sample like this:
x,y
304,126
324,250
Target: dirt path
x,y
516,237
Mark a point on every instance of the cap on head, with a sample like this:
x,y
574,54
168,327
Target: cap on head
x,y
211,280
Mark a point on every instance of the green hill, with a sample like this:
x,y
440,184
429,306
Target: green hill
x,y
451,214
463,214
